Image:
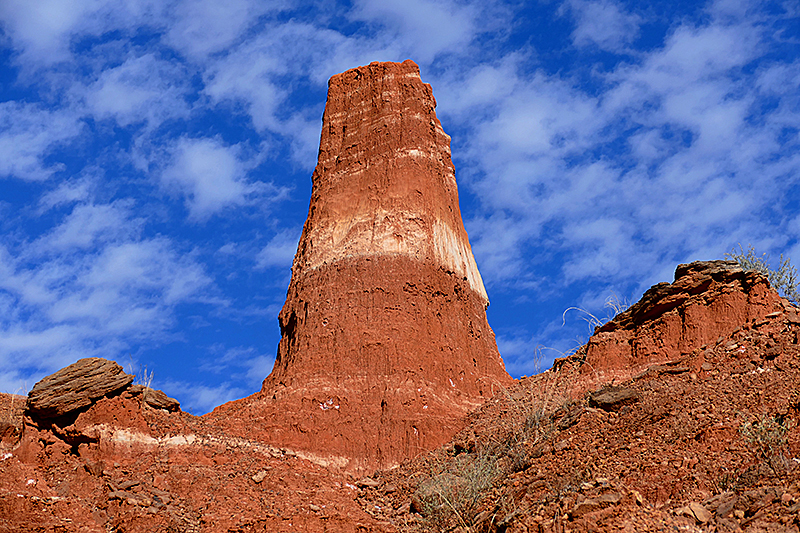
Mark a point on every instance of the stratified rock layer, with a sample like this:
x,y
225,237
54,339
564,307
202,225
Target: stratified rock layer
x,y
385,344
76,386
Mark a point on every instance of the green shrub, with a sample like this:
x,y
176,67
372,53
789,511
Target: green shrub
x,y
783,279
767,436
454,490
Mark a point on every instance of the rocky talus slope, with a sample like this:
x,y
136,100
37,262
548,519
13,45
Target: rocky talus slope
x,y
92,452
385,344
702,437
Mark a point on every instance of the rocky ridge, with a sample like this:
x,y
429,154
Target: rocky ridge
x,y
684,443
131,461
707,299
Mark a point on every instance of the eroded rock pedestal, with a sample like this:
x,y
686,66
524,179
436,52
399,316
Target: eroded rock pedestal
x,y
385,343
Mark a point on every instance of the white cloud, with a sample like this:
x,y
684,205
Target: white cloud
x,y
202,27
243,368
545,159
28,133
425,28
603,23
43,31
254,72
208,174
200,399
71,294
67,192
88,225
44,28
142,89
279,251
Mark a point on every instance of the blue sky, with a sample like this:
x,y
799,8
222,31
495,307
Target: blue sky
x,y
155,163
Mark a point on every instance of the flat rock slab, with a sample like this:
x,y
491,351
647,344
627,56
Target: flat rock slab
x,y
612,398
156,398
76,386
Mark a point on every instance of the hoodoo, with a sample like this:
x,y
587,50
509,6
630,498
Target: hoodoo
x,y
385,343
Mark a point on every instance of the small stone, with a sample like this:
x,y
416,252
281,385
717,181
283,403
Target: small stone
x,y
95,469
726,507
612,398
315,508
561,445
367,483
156,398
259,476
738,513
700,513
589,505
125,485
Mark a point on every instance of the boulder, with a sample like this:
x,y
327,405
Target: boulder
x,y
155,398
612,398
76,386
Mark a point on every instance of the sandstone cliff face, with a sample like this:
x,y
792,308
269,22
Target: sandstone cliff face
x,y
385,343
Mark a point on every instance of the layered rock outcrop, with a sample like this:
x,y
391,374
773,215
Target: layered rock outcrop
x,y
385,343
76,386
79,385
707,300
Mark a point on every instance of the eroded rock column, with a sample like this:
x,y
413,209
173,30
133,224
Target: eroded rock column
x,y
385,344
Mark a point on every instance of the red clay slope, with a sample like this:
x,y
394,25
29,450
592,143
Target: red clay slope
x,y
385,344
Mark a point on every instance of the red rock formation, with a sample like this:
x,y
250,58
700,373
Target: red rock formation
x,y
707,300
385,343
130,461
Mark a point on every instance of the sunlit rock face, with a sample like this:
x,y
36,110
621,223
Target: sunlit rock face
x,y
385,344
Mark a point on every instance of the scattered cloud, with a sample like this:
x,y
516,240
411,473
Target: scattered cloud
x,y
548,157
142,89
91,286
200,399
604,24
208,174
425,28
28,134
201,28
279,251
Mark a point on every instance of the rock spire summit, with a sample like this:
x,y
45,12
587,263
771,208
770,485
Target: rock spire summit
x,y
385,344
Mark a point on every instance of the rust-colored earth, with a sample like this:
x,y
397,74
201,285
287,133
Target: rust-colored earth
x,y
680,414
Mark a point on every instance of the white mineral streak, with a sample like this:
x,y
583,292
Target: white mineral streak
x,y
455,253
370,230
396,232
